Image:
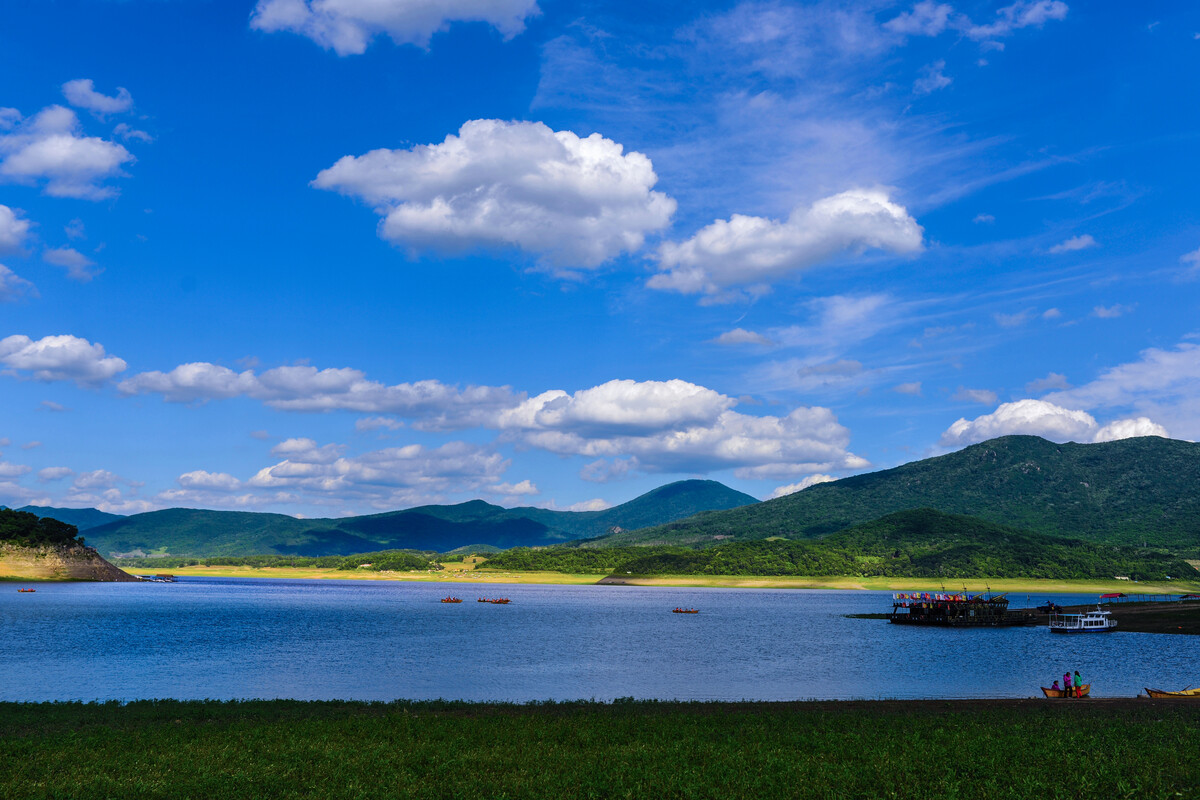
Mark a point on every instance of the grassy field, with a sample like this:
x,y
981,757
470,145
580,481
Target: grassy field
x,y
452,573
284,749
465,573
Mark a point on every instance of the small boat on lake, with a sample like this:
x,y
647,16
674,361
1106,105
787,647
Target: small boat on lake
x,y
1193,694
26,590
1092,622
685,611
451,600
1082,691
500,601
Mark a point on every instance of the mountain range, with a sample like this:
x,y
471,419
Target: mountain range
x,y
1141,491
199,532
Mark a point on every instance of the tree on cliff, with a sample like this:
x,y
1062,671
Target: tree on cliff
x,y
24,528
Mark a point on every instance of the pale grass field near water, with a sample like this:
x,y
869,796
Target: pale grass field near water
x,y
465,573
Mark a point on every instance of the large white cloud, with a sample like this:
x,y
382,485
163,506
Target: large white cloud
x,y
1045,419
348,26
576,202
59,358
386,477
1162,384
13,230
619,407
439,405
676,426
746,250
49,148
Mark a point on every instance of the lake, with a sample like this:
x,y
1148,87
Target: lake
x,y
258,638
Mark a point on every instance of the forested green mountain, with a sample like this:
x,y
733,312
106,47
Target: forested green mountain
x,y
195,532
918,543
82,518
1133,491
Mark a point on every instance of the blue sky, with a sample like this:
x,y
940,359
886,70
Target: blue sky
x,y
340,256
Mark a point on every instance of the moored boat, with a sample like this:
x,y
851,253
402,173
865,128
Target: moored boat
x,y
1081,691
955,610
1092,622
1194,694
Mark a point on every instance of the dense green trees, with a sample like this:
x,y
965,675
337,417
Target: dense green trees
x,y
1129,492
24,528
921,543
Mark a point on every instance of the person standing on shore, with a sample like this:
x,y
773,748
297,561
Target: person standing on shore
x,y
1066,684
1078,683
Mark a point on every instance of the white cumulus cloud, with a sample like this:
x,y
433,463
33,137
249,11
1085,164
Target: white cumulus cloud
x,y
54,474
1045,419
59,358
746,250
49,148
201,479
82,94
303,388
348,26
619,407
576,202
388,478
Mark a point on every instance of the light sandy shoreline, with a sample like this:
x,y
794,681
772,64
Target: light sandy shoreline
x,y
481,577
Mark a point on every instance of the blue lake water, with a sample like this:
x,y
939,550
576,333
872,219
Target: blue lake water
x,y
247,638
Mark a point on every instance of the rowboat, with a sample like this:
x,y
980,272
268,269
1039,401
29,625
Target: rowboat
x,y
26,590
451,600
1192,693
685,611
1082,690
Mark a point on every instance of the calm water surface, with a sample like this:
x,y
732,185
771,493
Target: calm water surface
x,y
248,638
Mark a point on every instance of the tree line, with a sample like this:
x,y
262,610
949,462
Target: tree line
x,y
30,530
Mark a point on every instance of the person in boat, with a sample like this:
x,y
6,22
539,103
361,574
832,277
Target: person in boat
x,y
1055,686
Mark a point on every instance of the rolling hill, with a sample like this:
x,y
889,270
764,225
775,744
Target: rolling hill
x,y
82,518
916,543
197,532
1133,491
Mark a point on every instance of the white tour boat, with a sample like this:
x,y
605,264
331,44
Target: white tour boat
x,y
1092,622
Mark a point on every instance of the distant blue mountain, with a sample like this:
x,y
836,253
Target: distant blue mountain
x,y
82,518
202,533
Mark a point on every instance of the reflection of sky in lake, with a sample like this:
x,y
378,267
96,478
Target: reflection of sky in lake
x,y
379,641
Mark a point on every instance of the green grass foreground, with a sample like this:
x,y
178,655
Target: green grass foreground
x,y
1135,748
